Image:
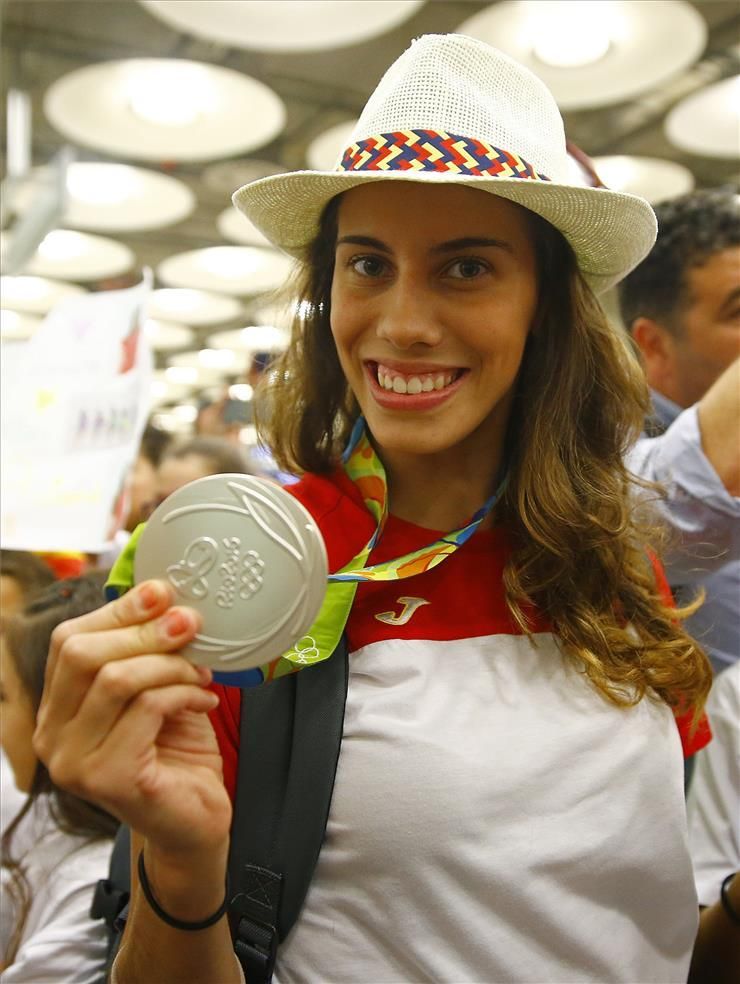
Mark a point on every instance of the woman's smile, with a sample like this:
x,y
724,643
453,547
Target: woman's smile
x,y
433,295
410,387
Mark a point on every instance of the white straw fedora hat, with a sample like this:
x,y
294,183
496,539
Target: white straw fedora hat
x,y
453,109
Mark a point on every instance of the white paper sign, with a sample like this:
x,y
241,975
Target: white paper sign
x,y
74,404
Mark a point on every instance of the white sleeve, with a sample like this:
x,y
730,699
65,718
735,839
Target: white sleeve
x,y
714,796
61,944
702,517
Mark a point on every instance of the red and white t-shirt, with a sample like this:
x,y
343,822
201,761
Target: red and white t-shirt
x,y
493,817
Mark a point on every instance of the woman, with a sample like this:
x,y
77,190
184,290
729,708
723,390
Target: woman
x,y
58,846
509,800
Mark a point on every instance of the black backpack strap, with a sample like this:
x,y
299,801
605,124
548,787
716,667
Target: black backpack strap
x,y
111,897
290,736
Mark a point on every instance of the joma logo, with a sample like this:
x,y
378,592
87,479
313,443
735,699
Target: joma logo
x,y
410,606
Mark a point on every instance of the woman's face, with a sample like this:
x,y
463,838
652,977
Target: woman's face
x,y
17,722
433,297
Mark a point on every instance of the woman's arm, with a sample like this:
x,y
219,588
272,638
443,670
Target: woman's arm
x,y
124,723
189,889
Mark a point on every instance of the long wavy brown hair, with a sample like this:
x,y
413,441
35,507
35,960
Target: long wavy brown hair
x,y
581,533
27,636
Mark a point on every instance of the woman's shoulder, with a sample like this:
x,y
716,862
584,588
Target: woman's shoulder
x,y
61,941
79,858
48,850
323,494
338,510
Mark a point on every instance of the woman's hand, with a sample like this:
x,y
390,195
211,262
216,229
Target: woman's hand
x,y
124,722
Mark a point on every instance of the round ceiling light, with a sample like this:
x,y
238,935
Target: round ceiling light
x,y
164,390
224,177
325,150
35,295
279,315
237,228
72,255
17,327
115,197
707,123
255,338
205,366
160,109
234,270
570,33
651,178
163,336
594,52
291,25
193,307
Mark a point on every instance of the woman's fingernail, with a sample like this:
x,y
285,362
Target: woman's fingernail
x,y
205,674
149,596
176,623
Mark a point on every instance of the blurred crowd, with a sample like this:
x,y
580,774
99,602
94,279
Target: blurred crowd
x,y
681,307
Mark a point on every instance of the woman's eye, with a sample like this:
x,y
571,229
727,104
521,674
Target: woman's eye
x,y
367,266
466,269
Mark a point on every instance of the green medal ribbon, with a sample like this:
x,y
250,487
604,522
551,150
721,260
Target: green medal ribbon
x,y
365,469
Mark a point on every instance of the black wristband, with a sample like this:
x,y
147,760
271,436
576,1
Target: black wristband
x,y
190,927
725,899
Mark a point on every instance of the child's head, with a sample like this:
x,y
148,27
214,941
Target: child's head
x,y
22,574
24,647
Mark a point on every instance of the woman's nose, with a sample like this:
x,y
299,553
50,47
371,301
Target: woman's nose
x,y
408,316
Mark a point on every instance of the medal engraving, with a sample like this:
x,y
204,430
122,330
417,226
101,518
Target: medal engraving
x,y
242,574
249,557
188,577
305,652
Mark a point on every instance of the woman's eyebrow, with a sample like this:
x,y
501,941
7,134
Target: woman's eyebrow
x,y
468,242
364,241
449,246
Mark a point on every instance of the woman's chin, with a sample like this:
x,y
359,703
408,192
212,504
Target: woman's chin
x,y
412,437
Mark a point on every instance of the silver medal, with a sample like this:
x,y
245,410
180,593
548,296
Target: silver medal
x,y
248,556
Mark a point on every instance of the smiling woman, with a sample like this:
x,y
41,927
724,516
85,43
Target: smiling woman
x,y
437,301
459,406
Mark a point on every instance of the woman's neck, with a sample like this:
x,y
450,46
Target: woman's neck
x,y
440,491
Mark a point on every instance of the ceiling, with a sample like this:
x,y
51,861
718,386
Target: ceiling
x,y
43,40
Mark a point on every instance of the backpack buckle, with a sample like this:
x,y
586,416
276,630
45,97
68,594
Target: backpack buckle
x,y
253,914
108,902
255,944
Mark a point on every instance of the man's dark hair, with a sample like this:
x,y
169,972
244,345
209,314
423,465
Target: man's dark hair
x,y
691,229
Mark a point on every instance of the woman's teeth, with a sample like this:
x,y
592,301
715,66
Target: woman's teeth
x,y
423,383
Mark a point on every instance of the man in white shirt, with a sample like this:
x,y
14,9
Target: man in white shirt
x,y
682,308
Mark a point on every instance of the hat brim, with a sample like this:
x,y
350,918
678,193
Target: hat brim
x,y
610,232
